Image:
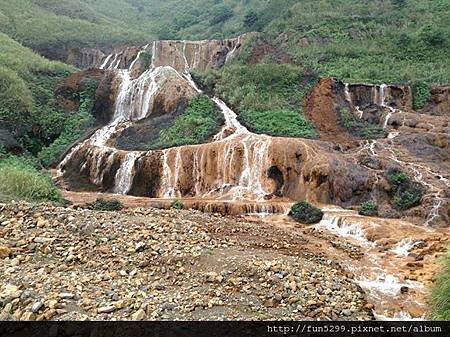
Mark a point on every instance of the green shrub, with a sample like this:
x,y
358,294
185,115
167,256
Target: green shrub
x,y
368,208
176,204
421,92
306,213
440,295
267,97
397,177
21,180
106,205
406,193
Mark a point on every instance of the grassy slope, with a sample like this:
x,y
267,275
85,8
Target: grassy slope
x,y
27,83
355,40
440,299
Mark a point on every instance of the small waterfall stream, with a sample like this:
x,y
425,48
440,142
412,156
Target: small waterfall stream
x,y
376,274
379,97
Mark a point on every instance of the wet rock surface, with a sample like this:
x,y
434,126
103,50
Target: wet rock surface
x,y
77,264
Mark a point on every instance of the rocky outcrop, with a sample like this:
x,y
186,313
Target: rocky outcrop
x,y
438,103
323,107
68,93
79,57
151,85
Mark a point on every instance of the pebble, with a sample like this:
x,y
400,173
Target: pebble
x,y
138,315
106,309
4,252
37,306
65,296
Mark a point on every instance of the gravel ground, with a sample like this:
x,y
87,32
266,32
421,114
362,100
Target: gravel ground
x,y
148,264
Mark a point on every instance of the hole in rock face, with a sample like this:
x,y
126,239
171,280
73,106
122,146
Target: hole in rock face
x,y
275,174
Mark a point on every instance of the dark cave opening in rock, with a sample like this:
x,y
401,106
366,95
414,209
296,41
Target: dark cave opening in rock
x,y
275,174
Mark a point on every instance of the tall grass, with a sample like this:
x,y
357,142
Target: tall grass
x,y
20,180
440,296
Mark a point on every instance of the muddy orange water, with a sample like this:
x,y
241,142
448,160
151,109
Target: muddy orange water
x,y
392,260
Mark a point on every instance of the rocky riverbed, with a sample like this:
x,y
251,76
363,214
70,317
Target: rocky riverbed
x,y
148,264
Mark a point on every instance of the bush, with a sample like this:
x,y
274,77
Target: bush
x,y
440,299
106,205
421,93
306,213
397,177
368,208
21,180
407,193
221,14
176,204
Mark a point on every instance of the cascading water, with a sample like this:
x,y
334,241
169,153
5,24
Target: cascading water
x,y
125,174
346,227
349,99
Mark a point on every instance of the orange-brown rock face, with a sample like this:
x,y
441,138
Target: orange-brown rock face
x,y
182,56
68,93
323,105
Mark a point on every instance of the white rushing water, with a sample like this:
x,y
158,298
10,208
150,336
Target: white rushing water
x,y
404,247
343,226
125,174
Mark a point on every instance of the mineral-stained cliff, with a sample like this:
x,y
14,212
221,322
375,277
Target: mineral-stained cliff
x,y
140,85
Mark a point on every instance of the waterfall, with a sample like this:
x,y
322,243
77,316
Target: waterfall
x,y
105,63
231,121
382,95
130,68
135,96
251,154
230,55
388,116
125,174
349,99
403,247
344,227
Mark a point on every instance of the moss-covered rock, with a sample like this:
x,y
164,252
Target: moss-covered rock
x,y
306,213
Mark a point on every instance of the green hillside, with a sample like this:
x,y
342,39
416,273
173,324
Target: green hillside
x,y
355,40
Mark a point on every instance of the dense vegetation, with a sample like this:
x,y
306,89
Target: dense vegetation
x,y
406,193
196,125
28,111
440,300
267,96
354,40
306,213
20,179
368,208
